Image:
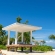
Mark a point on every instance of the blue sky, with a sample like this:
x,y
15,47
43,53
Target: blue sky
x,y
37,12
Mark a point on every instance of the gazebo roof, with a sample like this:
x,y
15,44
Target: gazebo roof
x,y
21,27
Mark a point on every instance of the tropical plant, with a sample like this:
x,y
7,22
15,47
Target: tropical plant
x,y
26,34
43,48
12,40
3,37
43,42
36,43
52,37
3,47
18,19
2,34
4,42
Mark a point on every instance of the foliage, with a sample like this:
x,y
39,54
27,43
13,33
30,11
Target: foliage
x,y
42,42
2,35
52,37
26,34
2,47
4,42
18,19
11,40
2,32
42,48
26,22
39,42
36,43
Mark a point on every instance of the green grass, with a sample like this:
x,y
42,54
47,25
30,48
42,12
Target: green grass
x,y
2,47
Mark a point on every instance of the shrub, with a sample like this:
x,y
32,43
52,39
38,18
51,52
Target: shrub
x,y
42,48
2,47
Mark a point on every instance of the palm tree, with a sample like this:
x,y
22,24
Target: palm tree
x,y
3,37
35,42
18,19
43,42
52,37
26,34
2,34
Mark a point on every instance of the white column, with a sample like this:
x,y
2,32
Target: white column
x,y
22,37
16,37
8,37
30,37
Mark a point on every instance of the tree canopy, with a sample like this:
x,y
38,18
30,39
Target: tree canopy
x,y
52,37
2,32
18,19
26,34
4,36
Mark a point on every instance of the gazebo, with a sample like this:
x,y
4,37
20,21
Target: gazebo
x,y
18,27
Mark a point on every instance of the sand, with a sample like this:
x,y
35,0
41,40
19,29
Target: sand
x,y
20,53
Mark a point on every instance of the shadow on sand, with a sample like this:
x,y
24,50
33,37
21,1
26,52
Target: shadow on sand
x,y
28,51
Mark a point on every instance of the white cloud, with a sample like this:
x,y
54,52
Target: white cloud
x,y
50,41
39,35
44,36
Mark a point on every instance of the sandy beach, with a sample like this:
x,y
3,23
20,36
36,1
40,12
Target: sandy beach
x,y
20,53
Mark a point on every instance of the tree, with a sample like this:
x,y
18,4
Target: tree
x,y
2,34
4,37
26,34
52,37
43,42
4,42
18,19
26,22
12,40
35,42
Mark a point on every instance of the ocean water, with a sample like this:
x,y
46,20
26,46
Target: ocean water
x,y
53,47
